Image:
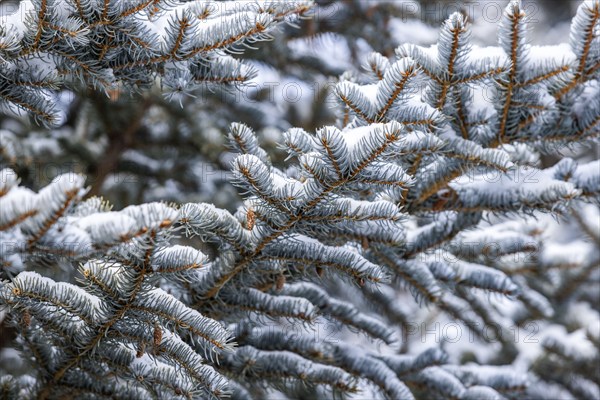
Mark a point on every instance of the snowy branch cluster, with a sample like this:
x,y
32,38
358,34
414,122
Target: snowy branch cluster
x,y
49,44
430,187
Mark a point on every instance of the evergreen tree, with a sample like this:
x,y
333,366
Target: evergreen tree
x,y
430,186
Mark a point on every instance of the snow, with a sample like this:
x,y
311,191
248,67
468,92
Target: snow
x,y
587,172
49,283
142,159
16,203
521,153
412,31
107,227
479,272
443,218
178,256
431,51
370,92
14,19
11,359
280,182
334,51
353,136
151,215
39,145
413,138
572,253
333,45
576,342
583,315
493,52
495,233
143,363
283,92
591,216
238,16
559,54
591,91
531,179
88,299
301,238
